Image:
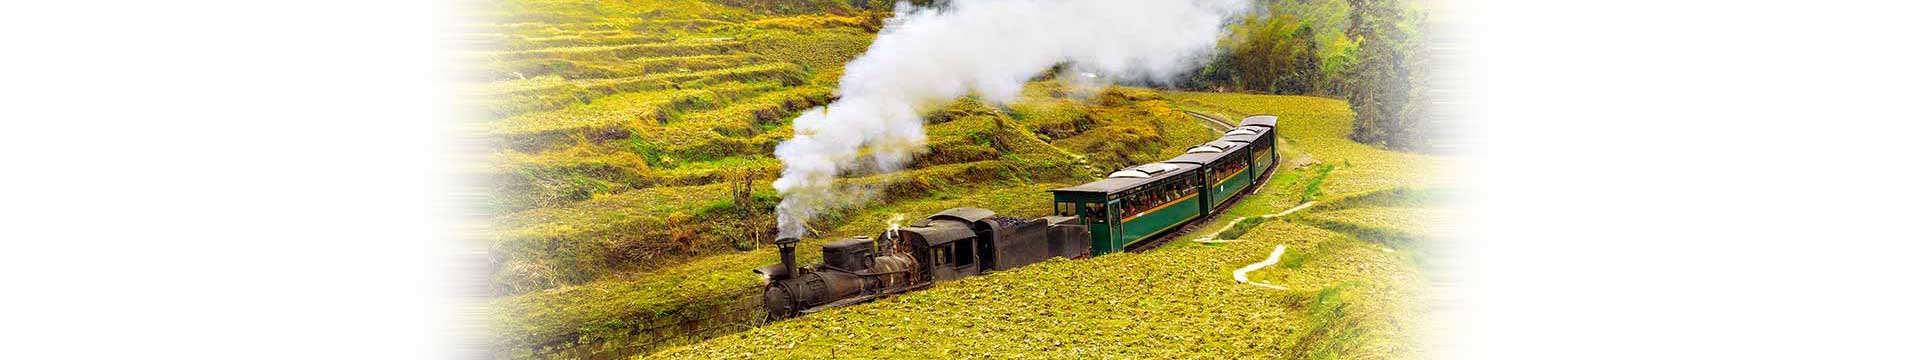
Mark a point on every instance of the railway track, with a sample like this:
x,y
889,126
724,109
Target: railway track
x,y
1195,224
1222,126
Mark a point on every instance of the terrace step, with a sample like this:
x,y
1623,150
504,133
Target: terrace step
x,y
760,108
572,69
613,116
682,47
607,38
512,97
605,212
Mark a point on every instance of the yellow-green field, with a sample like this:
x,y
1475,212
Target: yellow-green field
x,y
1353,273
631,165
613,119
980,156
631,173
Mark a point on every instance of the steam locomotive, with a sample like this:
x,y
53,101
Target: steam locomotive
x,y
1126,209
950,245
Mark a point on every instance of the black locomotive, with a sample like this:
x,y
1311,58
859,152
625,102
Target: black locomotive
x,y
950,245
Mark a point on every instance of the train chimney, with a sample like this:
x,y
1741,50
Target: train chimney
x,y
786,246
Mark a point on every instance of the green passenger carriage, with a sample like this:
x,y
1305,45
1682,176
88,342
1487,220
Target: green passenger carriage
x,y
1141,202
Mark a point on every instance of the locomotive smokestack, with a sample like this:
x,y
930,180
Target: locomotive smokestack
x,y
786,245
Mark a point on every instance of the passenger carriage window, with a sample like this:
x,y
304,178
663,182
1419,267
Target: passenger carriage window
x,y
1132,206
1063,209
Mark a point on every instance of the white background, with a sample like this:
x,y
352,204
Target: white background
x,y
1663,179
271,180
236,179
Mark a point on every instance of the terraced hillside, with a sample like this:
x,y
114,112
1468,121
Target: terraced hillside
x,y
1355,280
614,119
982,156
632,159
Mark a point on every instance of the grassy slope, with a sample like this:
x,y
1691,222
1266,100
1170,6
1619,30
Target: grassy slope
x,y
1348,297
1023,166
614,119
622,127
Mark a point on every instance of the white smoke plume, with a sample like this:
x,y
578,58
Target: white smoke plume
x,y
925,58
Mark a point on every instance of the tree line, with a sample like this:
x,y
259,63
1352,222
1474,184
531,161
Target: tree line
x,y
1373,53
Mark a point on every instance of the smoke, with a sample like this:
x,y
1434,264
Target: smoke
x,y
925,58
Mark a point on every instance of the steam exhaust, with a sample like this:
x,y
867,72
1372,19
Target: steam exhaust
x,y
925,58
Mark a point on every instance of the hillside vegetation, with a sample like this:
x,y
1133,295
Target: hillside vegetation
x,y
1373,53
1356,286
630,173
614,119
981,156
631,164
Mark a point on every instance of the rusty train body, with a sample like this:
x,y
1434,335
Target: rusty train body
x,y
950,245
1128,207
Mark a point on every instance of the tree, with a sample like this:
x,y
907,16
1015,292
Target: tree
x,y
1369,52
1388,110
1303,63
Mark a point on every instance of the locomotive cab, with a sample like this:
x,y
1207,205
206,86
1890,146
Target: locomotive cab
x,y
947,247
850,254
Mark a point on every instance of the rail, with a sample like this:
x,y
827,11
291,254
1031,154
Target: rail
x,y
1221,126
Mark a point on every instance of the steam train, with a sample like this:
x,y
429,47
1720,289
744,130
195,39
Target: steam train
x,y
1127,208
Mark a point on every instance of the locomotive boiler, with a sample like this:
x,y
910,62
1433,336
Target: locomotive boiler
x,y
950,245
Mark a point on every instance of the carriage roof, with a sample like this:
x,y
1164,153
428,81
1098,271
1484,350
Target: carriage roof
x,y
1119,181
1240,138
1260,120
